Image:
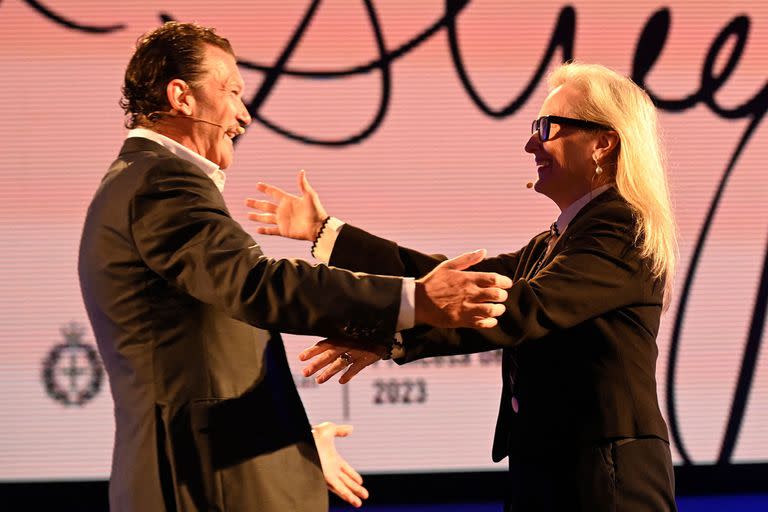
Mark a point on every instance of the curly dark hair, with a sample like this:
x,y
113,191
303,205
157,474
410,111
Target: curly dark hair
x,y
174,50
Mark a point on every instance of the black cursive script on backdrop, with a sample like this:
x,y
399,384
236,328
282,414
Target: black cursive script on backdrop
x,y
649,47
652,40
71,24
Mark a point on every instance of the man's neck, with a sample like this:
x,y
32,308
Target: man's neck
x,y
171,131
211,169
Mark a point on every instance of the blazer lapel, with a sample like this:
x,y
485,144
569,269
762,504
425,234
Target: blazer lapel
x,y
574,226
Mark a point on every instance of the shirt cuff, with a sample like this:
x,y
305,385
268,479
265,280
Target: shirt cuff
x,y
327,239
398,348
407,316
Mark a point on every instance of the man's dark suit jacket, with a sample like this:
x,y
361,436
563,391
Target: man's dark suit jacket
x,y
581,331
185,309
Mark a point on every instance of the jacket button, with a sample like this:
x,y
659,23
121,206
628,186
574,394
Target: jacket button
x,y
515,404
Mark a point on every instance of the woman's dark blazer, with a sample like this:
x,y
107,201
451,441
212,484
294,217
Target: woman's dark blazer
x,y
579,334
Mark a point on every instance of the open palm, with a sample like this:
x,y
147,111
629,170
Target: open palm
x,y
288,215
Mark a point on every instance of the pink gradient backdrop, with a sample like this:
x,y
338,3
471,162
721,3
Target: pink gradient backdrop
x,y
438,175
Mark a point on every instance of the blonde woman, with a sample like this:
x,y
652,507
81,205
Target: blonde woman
x,y
579,416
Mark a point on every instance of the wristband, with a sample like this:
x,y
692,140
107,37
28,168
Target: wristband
x,y
319,234
394,345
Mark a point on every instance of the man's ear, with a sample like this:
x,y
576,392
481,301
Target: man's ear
x,y
180,97
606,144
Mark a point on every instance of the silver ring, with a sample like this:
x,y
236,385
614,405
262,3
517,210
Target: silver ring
x,y
347,358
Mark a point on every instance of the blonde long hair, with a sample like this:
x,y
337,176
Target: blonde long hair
x,y
616,101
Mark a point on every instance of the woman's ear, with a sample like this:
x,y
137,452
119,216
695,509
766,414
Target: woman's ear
x,y
606,144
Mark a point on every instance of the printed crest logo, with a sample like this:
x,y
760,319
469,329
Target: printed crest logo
x,y
72,372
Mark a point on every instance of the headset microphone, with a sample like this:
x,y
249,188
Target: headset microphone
x,y
240,129
203,121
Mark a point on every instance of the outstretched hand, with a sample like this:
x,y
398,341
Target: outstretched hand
x,y
340,477
290,216
451,297
326,355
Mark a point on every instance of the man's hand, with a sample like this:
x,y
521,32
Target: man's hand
x,y
340,477
449,297
329,354
290,216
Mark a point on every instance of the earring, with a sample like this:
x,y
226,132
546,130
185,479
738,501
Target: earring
x,y
598,169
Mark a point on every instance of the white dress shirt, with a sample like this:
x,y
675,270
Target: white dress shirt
x,y
567,215
209,168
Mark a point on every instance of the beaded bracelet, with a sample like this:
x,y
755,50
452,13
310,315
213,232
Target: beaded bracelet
x,y
319,234
389,349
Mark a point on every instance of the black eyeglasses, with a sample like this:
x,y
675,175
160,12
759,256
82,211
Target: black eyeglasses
x,y
543,124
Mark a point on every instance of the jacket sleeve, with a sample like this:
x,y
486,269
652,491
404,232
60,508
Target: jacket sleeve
x,y
184,233
356,249
360,251
595,269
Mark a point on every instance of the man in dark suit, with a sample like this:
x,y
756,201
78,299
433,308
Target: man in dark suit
x,y
579,417
186,308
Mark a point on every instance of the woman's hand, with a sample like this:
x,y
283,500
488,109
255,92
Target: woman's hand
x,y
334,356
340,477
290,216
